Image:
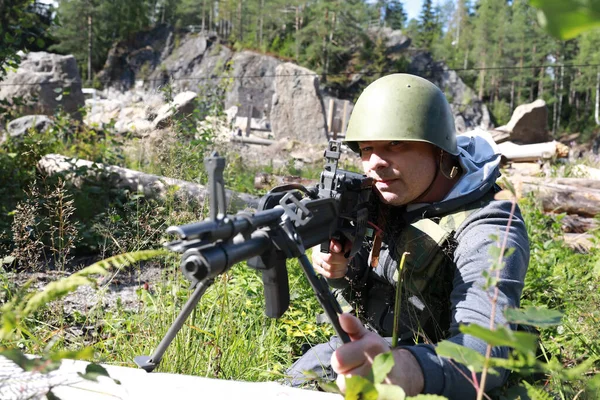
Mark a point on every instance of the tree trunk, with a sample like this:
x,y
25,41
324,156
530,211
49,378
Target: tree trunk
x,y
532,88
560,97
260,23
570,195
327,53
520,76
240,21
555,105
597,111
512,96
203,15
89,60
80,172
297,26
481,80
541,83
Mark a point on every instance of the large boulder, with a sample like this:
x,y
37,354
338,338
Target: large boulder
x,y
19,127
469,111
182,105
45,82
254,84
529,123
297,112
395,40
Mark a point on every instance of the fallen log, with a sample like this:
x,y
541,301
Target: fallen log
x,y
532,152
78,172
568,195
252,140
577,224
580,242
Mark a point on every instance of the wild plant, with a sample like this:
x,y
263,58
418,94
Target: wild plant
x,y
62,230
28,247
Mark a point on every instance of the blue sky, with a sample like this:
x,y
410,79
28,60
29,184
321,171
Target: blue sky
x,y
413,7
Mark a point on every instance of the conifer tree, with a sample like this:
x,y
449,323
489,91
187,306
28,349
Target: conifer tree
x,y
429,27
395,17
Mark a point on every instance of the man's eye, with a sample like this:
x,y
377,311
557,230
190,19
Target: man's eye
x,y
365,149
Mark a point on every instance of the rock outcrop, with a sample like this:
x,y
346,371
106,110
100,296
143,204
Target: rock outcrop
x,y
20,126
529,123
45,82
297,111
136,57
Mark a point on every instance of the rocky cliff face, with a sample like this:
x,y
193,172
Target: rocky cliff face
x,y
291,104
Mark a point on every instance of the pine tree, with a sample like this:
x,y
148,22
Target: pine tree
x,y
429,27
395,17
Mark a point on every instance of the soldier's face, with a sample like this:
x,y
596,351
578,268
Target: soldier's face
x,y
402,170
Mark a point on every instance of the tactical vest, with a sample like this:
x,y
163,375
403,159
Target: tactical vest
x,y
427,279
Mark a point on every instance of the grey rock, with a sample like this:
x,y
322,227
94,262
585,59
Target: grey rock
x,y
45,82
297,112
20,126
182,105
529,123
254,84
395,40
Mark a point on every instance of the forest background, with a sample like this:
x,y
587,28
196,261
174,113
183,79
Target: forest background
x,y
496,46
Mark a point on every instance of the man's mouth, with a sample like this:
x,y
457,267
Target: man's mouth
x,y
385,182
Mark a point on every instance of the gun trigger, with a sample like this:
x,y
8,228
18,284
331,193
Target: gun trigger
x,y
374,255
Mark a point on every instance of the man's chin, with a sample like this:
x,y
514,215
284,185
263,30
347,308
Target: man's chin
x,y
391,199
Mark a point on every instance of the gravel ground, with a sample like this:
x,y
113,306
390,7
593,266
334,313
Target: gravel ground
x,y
121,286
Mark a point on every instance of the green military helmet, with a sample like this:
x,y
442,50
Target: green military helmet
x,y
402,107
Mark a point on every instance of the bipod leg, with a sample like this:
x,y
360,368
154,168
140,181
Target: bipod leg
x,y
148,363
328,302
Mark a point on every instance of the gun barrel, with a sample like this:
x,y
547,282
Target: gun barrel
x,y
226,228
198,265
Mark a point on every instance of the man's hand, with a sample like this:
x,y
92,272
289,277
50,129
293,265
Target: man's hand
x,y
334,264
356,358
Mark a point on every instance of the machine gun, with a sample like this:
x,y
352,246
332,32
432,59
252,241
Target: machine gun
x,y
290,219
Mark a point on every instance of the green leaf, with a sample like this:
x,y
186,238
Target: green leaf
x,y
566,19
389,392
535,316
464,355
359,388
83,354
41,365
93,372
426,397
524,342
51,396
382,365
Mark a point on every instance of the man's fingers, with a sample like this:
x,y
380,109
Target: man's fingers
x,y
352,326
335,246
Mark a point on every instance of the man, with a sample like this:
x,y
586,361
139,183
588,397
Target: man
x,y
435,201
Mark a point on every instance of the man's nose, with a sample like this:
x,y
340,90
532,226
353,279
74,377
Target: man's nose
x,y
377,161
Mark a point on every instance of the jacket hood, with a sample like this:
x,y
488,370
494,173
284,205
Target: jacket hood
x,y
479,158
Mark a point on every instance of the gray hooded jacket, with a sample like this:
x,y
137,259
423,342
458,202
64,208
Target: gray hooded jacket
x,y
466,301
